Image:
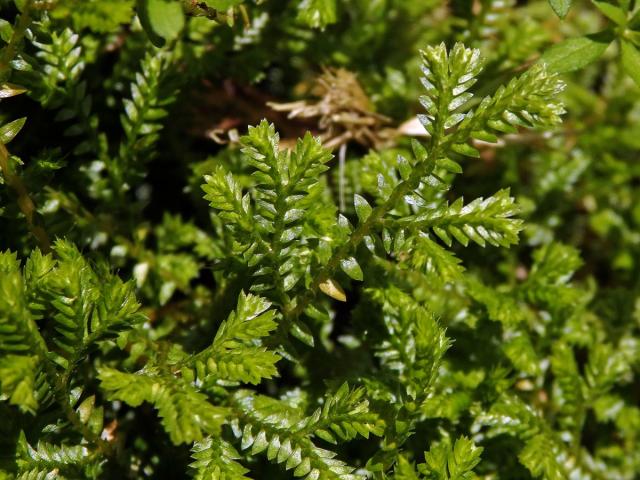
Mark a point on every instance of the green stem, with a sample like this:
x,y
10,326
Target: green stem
x,y
281,207
10,51
363,229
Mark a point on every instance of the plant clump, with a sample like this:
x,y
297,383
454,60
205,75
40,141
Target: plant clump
x,y
319,239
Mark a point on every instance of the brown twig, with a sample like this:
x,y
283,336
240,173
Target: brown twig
x,y
25,203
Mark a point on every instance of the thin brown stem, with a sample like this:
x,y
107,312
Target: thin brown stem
x,y
25,203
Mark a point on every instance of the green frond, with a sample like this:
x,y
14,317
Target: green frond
x,y
283,180
18,375
481,221
84,305
404,470
608,365
269,432
501,307
430,346
251,320
224,194
18,332
36,269
343,415
62,59
142,118
519,349
415,343
528,101
72,290
185,413
244,364
282,175
146,107
48,459
130,388
428,256
541,458
116,310
569,389
22,348
543,452
267,227
548,284
319,317
447,78
235,354
36,474
60,63
554,264
216,459
9,262
446,462
510,415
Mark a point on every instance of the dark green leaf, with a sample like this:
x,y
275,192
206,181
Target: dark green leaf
x,y
630,60
6,30
612,12
350,267
11,129
575,53
561,7
162,19
363,209
302,333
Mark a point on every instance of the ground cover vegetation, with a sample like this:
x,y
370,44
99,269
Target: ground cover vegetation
x,y
326,239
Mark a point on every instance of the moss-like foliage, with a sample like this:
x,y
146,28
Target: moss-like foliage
x,y
325,239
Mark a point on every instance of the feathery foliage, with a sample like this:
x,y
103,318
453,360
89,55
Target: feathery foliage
x,y
319,239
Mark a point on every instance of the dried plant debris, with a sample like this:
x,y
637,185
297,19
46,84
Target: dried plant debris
x,y
343,112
